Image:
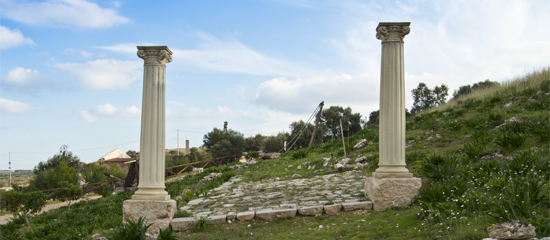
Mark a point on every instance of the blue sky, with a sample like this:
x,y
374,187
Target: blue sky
x,y
69,73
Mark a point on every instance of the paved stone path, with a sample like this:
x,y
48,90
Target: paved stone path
x,y
271,199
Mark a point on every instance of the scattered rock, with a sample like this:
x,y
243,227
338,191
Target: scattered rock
x,y
327,164
326,159
359,165
508,104
361,159
97,236
437,136
409,143
296,176
303,165
199,170
360,144
212,176
508,121
512,230
231,216
497,156
340,167
311,167
534,149
344,161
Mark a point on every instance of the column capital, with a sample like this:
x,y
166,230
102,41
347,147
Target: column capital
x,y
392,31
155,55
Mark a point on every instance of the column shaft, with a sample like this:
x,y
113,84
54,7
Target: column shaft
x,y
392,101
152,155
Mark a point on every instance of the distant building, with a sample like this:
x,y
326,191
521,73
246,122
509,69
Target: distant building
x,y
116,157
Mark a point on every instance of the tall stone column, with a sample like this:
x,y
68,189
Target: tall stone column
x,y
392,101
151,164
151,200
392,185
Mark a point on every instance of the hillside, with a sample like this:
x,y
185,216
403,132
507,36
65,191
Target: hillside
x,y
484,159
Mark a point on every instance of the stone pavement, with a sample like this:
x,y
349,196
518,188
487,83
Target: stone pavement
x,y
271,199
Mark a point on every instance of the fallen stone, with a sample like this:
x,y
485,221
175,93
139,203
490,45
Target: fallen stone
x,y
391,192
360,144
326,159
269,215
311,167
332,209
512,230
296,176
183,224
344,161
352,206
327,164
245,216
214,220
361,159
310,211
195,201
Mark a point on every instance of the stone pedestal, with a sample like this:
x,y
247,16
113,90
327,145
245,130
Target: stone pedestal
x,y
392,185
387,193
151,155
158,213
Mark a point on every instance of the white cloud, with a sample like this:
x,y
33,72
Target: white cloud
x,y
302,95
10,106
181,110
83,53
104,73
62,13
21,77
108,110
231,56
12,38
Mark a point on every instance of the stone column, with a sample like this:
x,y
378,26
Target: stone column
x,y
392,185
151,200
151,164
392,101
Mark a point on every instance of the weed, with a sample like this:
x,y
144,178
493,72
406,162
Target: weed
x,y
131,230
510,139
541,129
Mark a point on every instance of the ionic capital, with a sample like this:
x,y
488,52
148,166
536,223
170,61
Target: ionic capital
x,y
392,31
155,55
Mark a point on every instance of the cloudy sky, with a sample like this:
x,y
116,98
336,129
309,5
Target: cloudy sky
x,y
69,73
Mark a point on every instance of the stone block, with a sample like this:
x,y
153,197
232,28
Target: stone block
x,y
269,215
391,192
183,224
217,219
512,230
231,216
245,216
310,211
332,209
158,213
352,206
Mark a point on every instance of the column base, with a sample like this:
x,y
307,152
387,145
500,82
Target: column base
x,y
390,192
392,175
156,194
158,213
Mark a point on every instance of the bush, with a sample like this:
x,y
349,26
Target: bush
x,y
541,129
251,155
299,154
105,190
473,150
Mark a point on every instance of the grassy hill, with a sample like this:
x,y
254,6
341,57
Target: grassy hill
x,y
484,159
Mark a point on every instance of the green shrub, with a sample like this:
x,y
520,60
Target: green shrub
x,y
473,150
131,230
438,167
105,190
299,154
166,234
510,139
541,129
